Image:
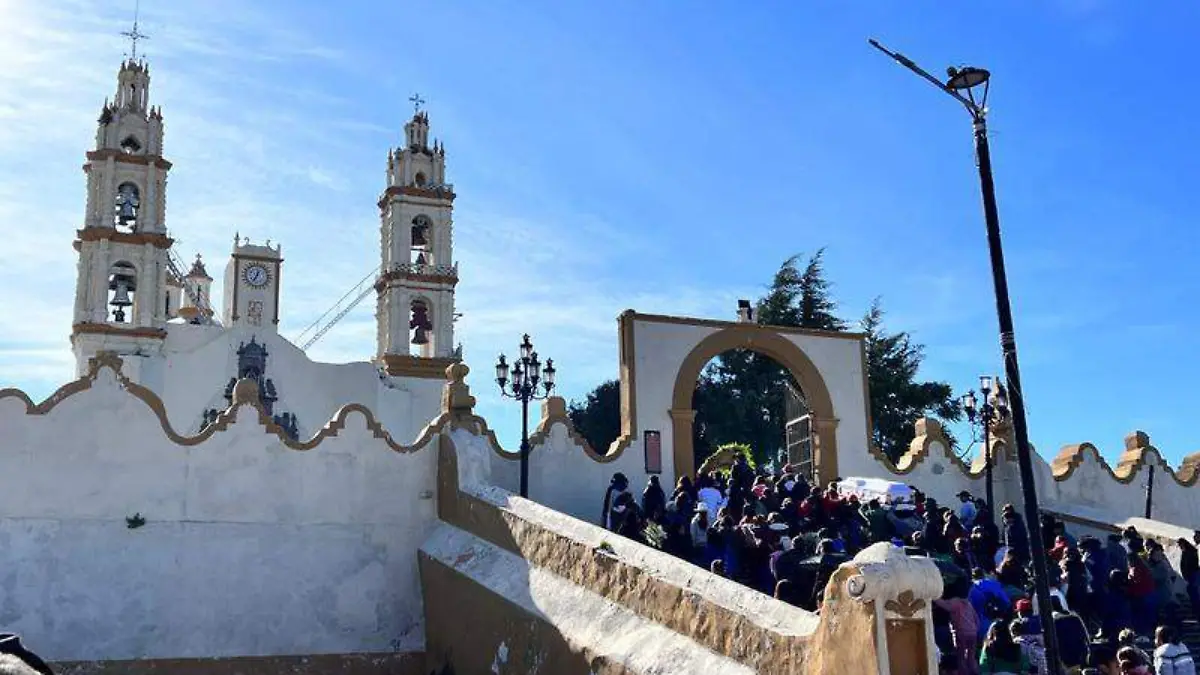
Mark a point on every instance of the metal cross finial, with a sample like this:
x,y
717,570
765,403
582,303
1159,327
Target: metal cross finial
x,y
417,102
134,34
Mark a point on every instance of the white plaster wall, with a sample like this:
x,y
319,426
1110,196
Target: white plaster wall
x,y
250,548
565,478
200,360
661,348
1093,488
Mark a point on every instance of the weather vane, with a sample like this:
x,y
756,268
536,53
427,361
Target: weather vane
x,y
134,35
417,102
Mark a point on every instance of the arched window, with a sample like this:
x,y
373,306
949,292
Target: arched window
x,y
419,179
422,241
122,291
126,207
421,325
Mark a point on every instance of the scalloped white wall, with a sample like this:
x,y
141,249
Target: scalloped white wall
x,y
249,548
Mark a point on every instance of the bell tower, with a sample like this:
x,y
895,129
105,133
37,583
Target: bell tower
x,y
121,290
415,307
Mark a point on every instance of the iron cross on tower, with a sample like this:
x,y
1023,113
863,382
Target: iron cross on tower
x,y
134,34
417,102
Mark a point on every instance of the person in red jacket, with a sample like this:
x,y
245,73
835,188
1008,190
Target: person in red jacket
x,y
1140,590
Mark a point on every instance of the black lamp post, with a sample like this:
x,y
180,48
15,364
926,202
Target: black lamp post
x,y
526,374
962,85
986,414
1150,492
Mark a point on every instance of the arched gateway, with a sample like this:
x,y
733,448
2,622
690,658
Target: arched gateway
x,y
661,360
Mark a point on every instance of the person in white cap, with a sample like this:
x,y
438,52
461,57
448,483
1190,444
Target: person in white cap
x,y
967,510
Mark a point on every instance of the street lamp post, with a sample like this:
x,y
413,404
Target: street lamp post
x,y
520,382
962,85
1150,492
986,414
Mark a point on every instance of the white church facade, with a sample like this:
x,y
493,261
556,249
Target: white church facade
x,y
135,298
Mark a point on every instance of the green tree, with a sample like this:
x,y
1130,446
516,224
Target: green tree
x,y
800,298
897,397
598,415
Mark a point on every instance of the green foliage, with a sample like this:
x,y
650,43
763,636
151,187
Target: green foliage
x,y
654,534
598,416
742,449
800,298
897,398
740,396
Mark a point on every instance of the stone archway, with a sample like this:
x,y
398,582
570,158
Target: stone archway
x,y
763,340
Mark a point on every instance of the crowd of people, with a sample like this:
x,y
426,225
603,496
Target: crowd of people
x,y
1114,606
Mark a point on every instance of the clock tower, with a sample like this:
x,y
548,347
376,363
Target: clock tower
x,y
252,285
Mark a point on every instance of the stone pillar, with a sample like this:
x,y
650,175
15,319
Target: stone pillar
x,y
681,440
877,615
825,449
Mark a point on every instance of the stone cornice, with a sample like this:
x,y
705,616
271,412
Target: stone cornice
x,y
404,365
713,323
156,239
88,328
122,157
440,194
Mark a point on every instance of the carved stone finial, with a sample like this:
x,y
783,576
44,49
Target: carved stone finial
x,y
245,392
456,397
927,426
554,408
894,581
1137,439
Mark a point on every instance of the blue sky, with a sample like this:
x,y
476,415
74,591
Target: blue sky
x,y
664,156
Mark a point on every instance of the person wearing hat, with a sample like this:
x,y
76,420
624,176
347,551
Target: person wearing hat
x,y
967,510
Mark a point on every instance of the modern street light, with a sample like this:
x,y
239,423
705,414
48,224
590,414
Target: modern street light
x,y
986,414
526,374
962,84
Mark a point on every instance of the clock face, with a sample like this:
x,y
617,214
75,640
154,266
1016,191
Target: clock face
x,y
256,275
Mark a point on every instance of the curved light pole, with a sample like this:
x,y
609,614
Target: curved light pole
x,y
986,414
526,374
962,86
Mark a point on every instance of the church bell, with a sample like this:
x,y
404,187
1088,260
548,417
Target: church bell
x,y
120,300
420,336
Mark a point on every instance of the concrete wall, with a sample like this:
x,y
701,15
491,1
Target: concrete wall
x,y
250,547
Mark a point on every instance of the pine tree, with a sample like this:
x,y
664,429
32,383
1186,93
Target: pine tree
x,y
598,416
801,299
897,398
